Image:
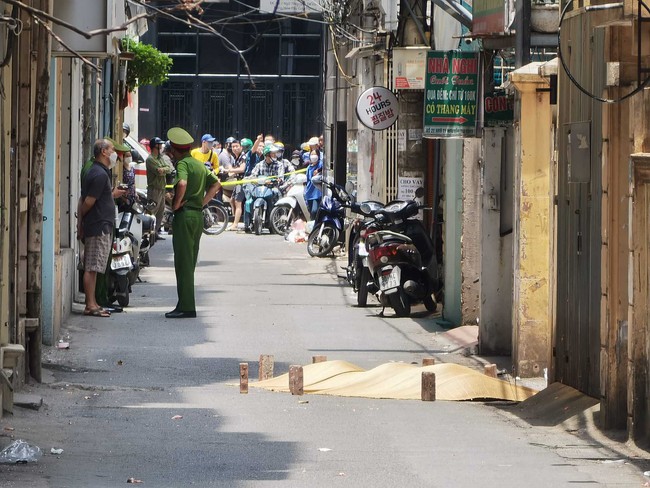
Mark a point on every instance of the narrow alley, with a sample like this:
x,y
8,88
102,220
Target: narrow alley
x,y
141,397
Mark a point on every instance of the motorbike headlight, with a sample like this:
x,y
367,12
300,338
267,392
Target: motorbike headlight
x,y
137,208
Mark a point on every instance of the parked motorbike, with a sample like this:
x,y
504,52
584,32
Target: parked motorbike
x,y
357,272
329,225
215,216
260,200
401,259
133,233
149,235
292,206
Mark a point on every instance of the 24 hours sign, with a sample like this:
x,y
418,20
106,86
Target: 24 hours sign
x,y
377,108
451,94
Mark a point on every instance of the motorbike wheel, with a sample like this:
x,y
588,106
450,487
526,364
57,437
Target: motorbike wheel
x,y
354,265
122,291
219,221
430,304
279,219
322,240
400,303
257,221
362,293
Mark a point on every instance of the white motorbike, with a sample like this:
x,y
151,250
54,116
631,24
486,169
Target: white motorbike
x,y
292,206
134,232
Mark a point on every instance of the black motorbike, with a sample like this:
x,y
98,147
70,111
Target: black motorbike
x,y
216,215
402,259
357,272
329,225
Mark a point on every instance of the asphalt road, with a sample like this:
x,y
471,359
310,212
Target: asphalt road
x,y
110,398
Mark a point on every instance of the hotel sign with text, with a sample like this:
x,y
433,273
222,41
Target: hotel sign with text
x,y
451,94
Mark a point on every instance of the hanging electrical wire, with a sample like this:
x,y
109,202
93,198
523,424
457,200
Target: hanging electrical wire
x,y
608,6
345,76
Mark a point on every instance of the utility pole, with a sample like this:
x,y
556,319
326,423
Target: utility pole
x,y
522,33
365,136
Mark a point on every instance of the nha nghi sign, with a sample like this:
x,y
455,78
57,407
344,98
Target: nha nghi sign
x,y
451,95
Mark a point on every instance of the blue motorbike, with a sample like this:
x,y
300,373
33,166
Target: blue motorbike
x,y
329,225
260,199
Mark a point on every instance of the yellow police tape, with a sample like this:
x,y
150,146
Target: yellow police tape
x,y
251,180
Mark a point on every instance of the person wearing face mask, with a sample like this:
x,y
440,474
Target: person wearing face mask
x,y
157,169
128,178
312,192
101,285
95,221
269,166
296,160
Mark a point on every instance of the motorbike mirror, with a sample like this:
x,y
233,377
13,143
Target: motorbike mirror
x,y
150,206
365,208
419,193
349,187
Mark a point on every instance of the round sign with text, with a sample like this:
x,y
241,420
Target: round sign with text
x,y
377,108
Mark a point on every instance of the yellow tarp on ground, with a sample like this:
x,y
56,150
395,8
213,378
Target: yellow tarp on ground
x,y
399,381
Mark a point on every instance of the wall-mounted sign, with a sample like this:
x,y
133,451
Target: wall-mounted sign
x,y
406,188
377,108
289,6
451,94
489,17
408,67
498,109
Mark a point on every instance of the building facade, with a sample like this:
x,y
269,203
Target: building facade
x,y
240,73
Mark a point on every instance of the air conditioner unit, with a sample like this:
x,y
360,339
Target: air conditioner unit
x,y
88,16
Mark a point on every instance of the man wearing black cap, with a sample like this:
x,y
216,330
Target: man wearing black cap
x,y
195,185
157,169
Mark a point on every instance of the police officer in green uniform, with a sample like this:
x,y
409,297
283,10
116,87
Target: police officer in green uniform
x,y
195,186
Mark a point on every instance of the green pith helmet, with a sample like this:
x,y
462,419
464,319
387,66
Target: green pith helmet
x,y
179,137
246,143
272,148
117,146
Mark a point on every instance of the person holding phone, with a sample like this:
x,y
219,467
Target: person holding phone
x,y
95,222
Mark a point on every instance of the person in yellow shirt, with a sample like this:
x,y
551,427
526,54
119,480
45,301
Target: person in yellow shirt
x,y
206,154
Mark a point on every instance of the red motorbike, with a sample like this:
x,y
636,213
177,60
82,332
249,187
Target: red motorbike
x,y
401,259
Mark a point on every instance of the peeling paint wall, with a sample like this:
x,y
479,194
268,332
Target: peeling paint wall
x,y
532,232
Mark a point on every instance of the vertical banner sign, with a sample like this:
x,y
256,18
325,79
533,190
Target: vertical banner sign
x,y
451,94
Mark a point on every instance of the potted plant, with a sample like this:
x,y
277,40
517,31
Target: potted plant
x,y
146,64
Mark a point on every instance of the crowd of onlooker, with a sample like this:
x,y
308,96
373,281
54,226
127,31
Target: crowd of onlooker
x,y
237,159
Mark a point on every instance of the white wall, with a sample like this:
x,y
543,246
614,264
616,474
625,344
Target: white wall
x,y
495,326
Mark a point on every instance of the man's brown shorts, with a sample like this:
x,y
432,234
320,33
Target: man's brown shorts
x,y
96,251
